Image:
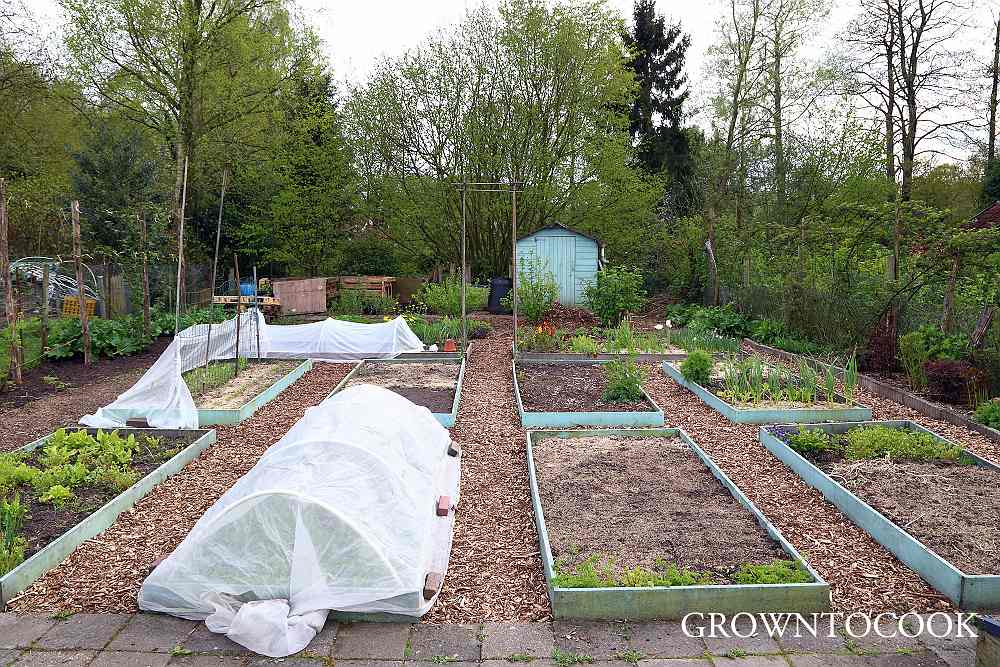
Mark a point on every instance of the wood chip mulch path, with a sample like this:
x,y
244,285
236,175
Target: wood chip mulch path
x,y
23,424
105,573
863,576
495,572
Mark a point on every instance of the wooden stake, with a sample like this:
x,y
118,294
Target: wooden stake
x,y
8,286
180,252
239,303
218,228
84,325
145,272
45,307
256,303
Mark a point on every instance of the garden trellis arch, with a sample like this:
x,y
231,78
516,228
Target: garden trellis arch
x,y
513,187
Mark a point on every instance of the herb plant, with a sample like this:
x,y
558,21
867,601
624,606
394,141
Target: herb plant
x,y
615,292
12,544
583,345
697,367
624,381
776,572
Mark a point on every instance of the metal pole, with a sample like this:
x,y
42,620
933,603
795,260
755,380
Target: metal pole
x,y
180,251
513,247
218,229
465,329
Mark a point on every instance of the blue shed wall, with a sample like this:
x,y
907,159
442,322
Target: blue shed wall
x,y
553,247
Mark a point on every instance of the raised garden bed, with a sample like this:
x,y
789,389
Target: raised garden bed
x,y
570,393
936,512
545,342
52,530
661,533
234,399
434,384
821,408
893,393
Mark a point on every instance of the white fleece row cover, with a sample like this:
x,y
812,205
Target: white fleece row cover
x,y
337,515
162,398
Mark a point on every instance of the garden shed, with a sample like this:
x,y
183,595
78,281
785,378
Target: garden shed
x,y
572,257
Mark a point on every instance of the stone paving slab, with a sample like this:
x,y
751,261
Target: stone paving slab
x,y
153,640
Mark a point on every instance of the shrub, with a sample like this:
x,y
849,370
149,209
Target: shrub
x,y
615,292
624,381
680,314
913,355
479,328
697,368
954,381
537,289
359,302
988,413
724,321
445,298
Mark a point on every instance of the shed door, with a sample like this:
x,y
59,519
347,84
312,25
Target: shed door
x,y
560,253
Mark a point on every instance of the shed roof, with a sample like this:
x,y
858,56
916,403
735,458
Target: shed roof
x,y
988,217
559,225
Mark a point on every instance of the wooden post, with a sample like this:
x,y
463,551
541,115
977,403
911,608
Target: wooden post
x,y
465,328
145,272
45,307
84,325
256,303
513,251
218,229
239,302
180,253
8,286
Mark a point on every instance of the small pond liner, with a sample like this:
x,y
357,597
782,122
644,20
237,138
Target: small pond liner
x,y
442,404
613,415
97,521
968,591
761,415
676,601
213,416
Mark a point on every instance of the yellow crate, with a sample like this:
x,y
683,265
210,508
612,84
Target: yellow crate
x,y
71,306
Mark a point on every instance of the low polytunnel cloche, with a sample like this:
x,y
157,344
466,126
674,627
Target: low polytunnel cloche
x,y
349,511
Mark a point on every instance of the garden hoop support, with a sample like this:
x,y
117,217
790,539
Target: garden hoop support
x,y
513,187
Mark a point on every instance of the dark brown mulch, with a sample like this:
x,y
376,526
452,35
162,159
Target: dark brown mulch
x,y
46,523
435,400
902,381
863,576
635,501
431,385
569,388
496,571
953,509
79,377
566,317
90,388
104,574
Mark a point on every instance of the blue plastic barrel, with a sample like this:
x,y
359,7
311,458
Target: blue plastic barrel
x,y
248,289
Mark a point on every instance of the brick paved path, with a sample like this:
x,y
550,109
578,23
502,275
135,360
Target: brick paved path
x,y
149,640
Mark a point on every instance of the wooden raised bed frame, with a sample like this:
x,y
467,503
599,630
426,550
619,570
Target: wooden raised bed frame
x,y
446,419
56,551
213,416
554,419
768,415
968,591
675,601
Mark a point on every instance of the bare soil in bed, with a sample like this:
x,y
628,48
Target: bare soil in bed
x,y
953,509
569,388
431,385
252,380
636,500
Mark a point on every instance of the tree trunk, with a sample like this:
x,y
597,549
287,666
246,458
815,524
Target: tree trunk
x,y
947,311
81,293
8,286
992,135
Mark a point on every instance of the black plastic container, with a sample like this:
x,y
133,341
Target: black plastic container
x,y
499,288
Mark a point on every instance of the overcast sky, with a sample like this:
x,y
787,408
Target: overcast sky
x,y
357,33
